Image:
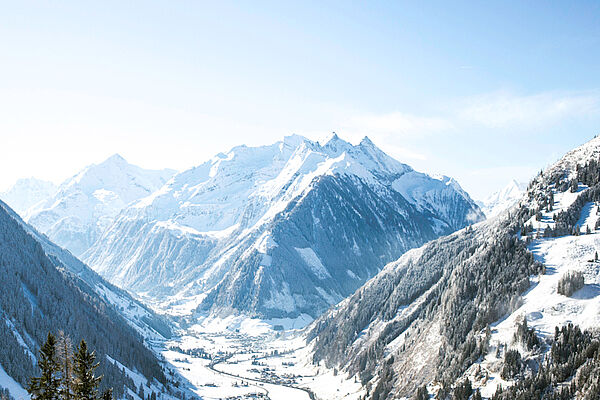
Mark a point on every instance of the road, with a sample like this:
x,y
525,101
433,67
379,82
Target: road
x,y
273,391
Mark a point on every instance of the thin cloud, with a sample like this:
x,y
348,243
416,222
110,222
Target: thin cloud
x,y
506,109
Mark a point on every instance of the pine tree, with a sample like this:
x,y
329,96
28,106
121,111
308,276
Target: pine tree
x,y
574,186
64,352
86,384
46,387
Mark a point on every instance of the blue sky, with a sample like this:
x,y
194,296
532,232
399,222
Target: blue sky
x,y
482,91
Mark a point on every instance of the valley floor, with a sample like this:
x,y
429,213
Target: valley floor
x,y
230,363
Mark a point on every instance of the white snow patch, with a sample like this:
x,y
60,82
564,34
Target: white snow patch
x,y
15,390
313,261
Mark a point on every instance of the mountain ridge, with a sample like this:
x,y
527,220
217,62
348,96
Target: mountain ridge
x,y
450,310
214,221
86,203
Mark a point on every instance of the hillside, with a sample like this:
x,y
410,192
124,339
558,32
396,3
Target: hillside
x,y
45,289
455,307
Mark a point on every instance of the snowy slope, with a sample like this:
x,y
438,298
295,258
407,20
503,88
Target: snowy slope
x,y
147,323
503,199
84,205
423,319
27,192
278,230
46,289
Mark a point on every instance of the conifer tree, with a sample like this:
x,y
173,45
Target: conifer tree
x,y
86,384
64,351
46,386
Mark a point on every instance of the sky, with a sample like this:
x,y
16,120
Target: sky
x,y
484,92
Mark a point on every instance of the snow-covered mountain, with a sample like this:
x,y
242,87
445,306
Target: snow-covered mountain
x,y
277,231
46,289
485,303
84,205
27,192
503,199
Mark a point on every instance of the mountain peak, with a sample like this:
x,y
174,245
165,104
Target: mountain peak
x,y
367,142
294,140
115,159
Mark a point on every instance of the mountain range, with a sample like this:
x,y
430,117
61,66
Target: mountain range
x,y
278,231
503,199
27,192
83,206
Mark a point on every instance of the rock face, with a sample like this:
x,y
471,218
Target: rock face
x,y
27,192
277,231
84,205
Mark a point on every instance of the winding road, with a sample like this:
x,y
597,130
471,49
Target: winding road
x,y
264,385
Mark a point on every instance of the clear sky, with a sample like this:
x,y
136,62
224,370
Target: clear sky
x,y
482,91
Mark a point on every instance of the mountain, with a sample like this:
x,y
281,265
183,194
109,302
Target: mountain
x,y
502,199
27,192
512,302
284,230
46,289
84,205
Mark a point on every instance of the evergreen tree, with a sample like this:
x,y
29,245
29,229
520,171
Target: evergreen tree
x,y
64,353
574,186
86,384
46,386
108,395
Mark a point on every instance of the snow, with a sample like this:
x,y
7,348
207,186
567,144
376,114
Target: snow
x,y
244,357
543,307
313,261
235,196
26,193
85,205
503,199
328,297
19,338
281,299
16,390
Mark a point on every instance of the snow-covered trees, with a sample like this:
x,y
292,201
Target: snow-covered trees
x,y
570,371
38,295
86,384
571,282
64,375
45,386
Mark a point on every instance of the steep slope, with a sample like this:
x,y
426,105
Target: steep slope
x,y
42,293
84,205
279,230
27,192
454,307
503,199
